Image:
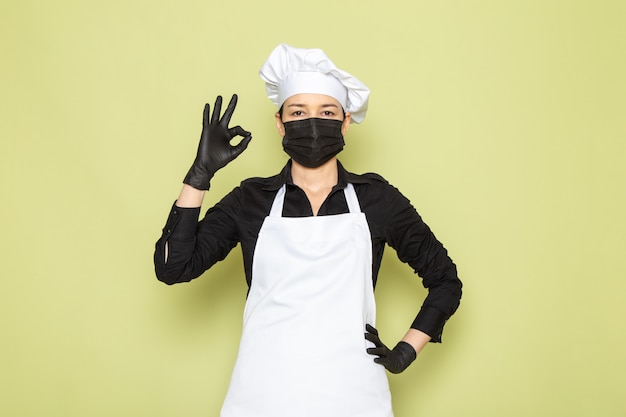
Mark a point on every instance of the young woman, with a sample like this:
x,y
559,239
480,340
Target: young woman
x,y
312,239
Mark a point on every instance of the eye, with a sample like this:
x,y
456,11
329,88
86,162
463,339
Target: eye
x,y
297,113
328,113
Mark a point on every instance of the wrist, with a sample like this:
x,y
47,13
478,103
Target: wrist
x,y
190,197
417,339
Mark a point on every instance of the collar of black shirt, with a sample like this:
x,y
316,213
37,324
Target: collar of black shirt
x,y
343,178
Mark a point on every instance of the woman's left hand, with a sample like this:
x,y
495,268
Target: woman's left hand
x,y
395,360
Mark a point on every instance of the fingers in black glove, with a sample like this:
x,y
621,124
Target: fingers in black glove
x,y
215,149
395,360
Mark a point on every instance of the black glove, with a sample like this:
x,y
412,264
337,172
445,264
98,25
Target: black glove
x,y
396,360
215,150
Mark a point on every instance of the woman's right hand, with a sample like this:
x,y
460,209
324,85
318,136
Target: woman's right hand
x,y
215,150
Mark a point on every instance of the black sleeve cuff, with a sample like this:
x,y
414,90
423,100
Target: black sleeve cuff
x,y
181,223
430,321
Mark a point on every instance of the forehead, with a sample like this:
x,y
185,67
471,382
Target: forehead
x,y
311,100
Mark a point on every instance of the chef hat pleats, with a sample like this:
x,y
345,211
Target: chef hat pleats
x,y
289,71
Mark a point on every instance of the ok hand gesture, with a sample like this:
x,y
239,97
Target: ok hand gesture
x,y
215,149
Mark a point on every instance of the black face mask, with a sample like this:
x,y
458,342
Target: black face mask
x,y
312,142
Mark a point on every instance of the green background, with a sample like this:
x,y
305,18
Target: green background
x,y
502,121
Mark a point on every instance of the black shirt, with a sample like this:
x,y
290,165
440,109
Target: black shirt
x,y
193,246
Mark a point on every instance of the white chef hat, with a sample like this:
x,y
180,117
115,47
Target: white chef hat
x,y
290,71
